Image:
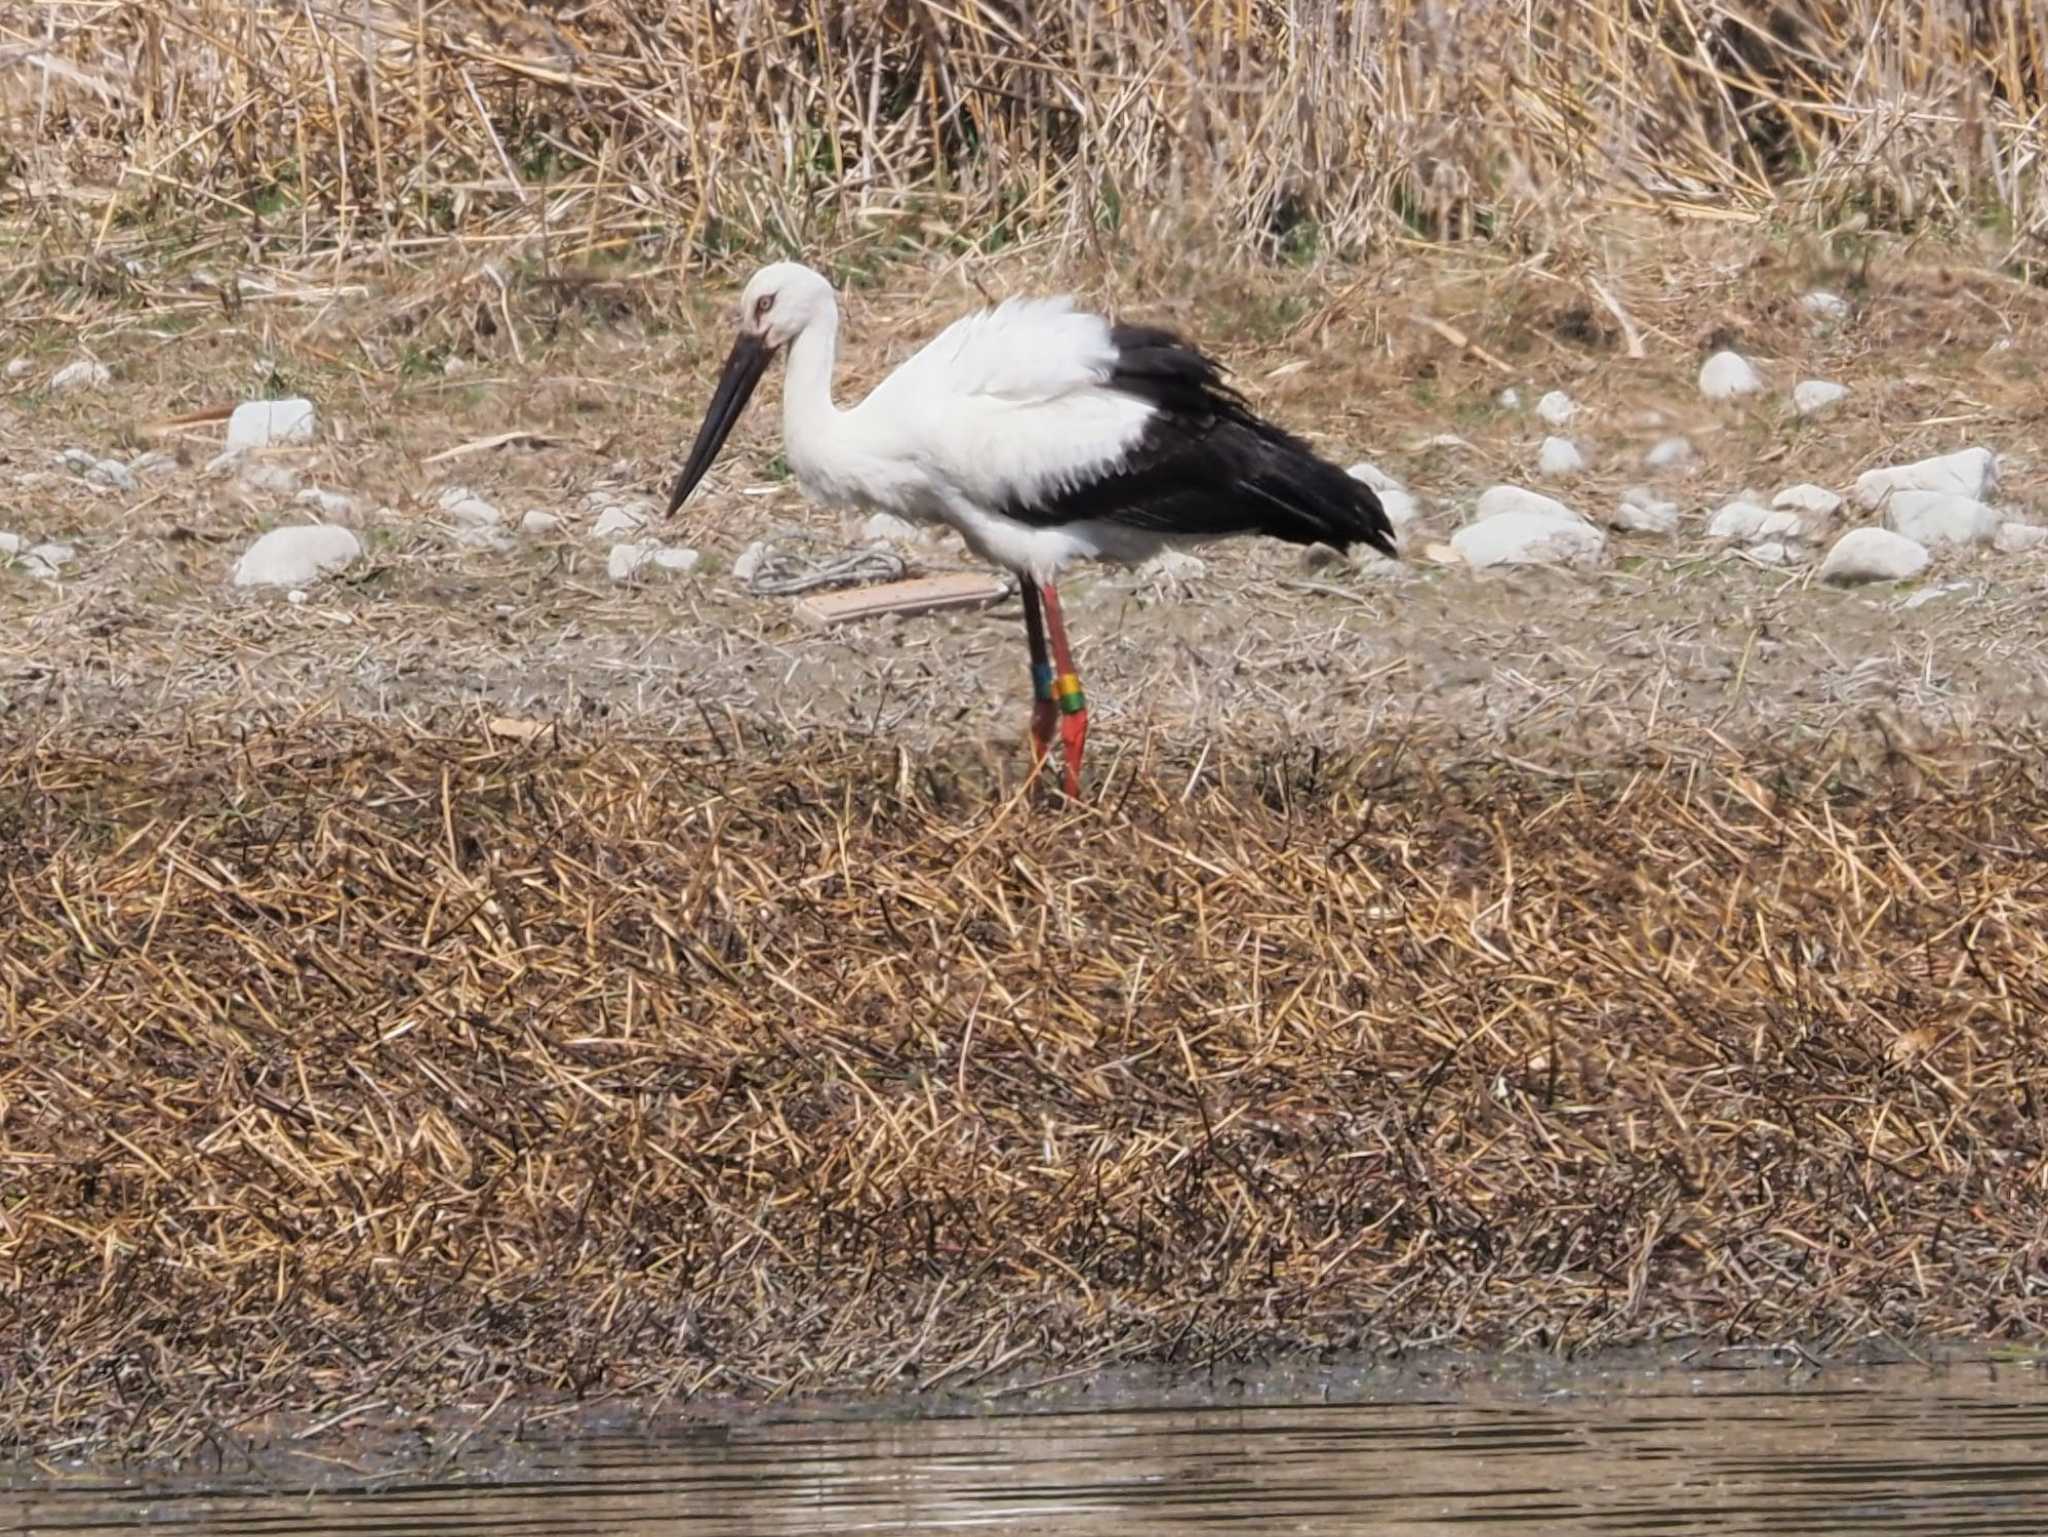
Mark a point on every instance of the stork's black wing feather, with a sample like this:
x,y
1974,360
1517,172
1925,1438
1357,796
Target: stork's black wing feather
x,y
1207,466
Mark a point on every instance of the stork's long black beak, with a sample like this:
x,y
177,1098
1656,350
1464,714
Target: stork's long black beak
x,y
744,366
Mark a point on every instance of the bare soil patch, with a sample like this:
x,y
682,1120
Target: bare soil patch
x,y
1674,628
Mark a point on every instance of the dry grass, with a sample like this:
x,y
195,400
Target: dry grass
x,y
362,1071
848,131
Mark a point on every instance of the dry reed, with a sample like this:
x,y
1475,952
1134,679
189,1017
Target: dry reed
x,y
845,129
357,1071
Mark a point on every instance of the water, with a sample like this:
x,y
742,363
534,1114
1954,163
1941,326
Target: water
x,y
1964,1450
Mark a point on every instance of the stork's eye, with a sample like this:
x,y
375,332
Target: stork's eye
x,y
763,305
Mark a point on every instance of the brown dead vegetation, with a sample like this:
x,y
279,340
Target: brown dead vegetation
x,y
352,1069
852,131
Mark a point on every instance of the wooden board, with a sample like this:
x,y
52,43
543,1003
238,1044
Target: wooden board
x,y
164,426
916,595
522,435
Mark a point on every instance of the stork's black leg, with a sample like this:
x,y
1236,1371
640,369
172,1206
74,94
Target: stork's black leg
x,y
1044,713
1066,691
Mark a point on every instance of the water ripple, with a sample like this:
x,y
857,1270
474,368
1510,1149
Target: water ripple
x,y
1892,1451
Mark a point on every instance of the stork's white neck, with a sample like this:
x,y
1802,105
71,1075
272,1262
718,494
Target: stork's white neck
x,y
808,415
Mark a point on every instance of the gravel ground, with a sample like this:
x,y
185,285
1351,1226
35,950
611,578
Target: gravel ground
x,y
505,601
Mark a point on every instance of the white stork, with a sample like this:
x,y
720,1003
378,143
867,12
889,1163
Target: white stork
x,y
1043,434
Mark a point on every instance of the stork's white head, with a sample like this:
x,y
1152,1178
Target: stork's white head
x,y
781,300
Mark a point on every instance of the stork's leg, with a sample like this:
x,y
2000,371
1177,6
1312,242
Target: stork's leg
x,y
1044,713
1066,691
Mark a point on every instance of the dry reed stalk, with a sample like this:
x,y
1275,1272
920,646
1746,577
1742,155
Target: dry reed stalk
x,y
344,1067
841,128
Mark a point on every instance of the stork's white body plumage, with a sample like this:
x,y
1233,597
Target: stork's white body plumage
x,y
1002,407
1044,434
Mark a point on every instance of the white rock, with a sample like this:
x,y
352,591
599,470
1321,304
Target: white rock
x,y
887,528
19,368
266,475
297,557
1750,523
625,560
1399,505
1440,440
1727,375
749,560
1818,501
1641,512
1172,570
1873,555
96,471
296,597
616,514
85,374
1659,519
1669,452
47,559
1935,518
1968,472
1510,399
1529,538
1498,500
539,523
44,561
1557,408
269,423
464,506
1559,456
1375,477
1810,397
112,472
332,504
2011,538
1770,553
1822,305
